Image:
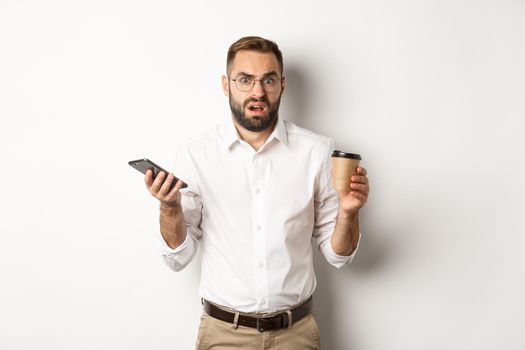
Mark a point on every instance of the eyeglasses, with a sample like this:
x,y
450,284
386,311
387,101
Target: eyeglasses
x,y
246,83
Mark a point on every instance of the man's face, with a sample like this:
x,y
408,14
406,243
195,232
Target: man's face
x,y
255,109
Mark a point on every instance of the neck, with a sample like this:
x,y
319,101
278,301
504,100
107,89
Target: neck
x,y
256,139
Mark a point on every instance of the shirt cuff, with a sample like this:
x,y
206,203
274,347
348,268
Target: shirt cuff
x,y
178,258
167,250
339,260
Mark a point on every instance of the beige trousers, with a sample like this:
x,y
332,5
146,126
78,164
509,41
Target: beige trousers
x,y
219,335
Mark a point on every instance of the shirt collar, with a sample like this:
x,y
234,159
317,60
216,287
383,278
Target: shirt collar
x,y
280,132
231,136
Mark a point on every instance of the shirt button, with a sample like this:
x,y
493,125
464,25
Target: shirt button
x,y
260,265
262,302
259,227
258,190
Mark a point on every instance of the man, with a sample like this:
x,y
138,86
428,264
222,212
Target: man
x,y
259,190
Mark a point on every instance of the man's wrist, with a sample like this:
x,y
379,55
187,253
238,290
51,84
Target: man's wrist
x,y
170,209
172,225
349,216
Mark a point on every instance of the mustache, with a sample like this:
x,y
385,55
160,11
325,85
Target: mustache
x,y
263,99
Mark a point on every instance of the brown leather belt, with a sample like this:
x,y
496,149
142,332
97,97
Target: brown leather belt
x,y
261,323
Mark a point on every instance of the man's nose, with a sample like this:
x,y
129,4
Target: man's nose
x,y
257,89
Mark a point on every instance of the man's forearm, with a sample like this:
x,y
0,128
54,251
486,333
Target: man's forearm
x,y
172,225
346,234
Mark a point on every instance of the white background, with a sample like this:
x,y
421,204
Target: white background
x,y
430,92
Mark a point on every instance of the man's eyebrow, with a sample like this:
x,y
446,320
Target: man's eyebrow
x,y
244,74
252,76
270,74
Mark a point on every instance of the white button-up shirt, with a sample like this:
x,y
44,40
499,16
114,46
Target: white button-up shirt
x,y
254,213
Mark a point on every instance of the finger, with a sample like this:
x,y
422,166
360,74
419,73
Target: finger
x,y
362,197
174,195
157,182
361,171
148,179
359,179
164,189
177,187
359,187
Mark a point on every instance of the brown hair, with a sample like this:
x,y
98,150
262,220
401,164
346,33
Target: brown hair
x,y
254,43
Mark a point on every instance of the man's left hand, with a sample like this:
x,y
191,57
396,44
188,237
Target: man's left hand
x,y
351,202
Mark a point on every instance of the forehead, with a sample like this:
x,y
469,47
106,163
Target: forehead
x,y
255,63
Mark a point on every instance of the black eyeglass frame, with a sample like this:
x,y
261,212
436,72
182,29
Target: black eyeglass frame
x,y
256,80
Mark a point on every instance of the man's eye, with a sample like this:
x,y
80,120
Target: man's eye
x,y
245,80
269,81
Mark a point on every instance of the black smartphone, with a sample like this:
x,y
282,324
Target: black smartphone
x,y
144,164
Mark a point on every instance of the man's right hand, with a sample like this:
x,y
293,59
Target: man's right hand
x,y
159,188
171,216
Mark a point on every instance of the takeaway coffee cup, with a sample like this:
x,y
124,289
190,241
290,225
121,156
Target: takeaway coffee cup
x,y
344,165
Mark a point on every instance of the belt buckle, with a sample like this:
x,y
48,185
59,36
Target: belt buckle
x,y
265,323
260,324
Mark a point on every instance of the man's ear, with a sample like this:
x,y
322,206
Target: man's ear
x,y
225,85
283,80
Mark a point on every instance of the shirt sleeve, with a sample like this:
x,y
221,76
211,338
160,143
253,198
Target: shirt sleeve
x,y
177,259
326,206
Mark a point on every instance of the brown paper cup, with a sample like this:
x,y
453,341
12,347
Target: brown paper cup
x,y
344,165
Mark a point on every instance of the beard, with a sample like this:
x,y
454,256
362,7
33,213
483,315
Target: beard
x,y
259,123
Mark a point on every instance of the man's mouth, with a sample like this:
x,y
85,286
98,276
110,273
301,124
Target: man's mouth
x,y
256,107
